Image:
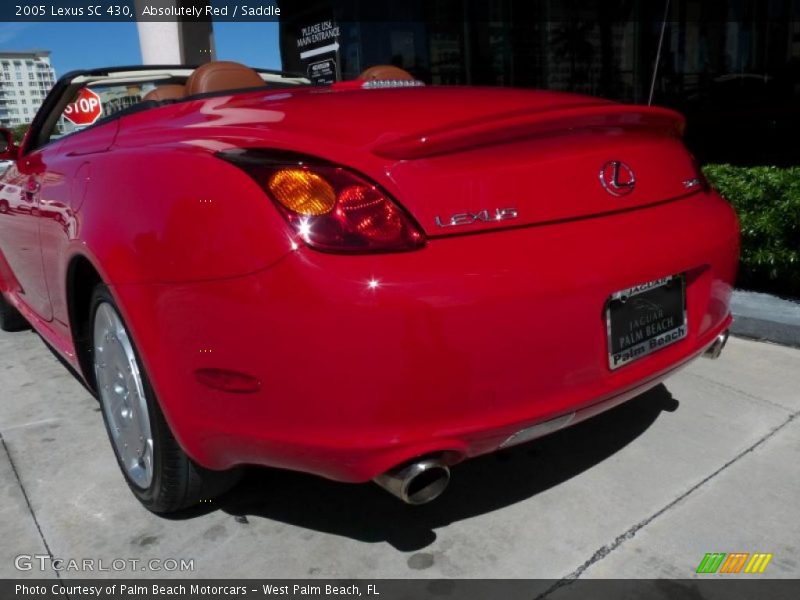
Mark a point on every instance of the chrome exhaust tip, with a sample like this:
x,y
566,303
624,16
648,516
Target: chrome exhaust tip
x,y
418,482
715,349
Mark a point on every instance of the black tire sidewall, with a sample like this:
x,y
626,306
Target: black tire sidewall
x,y
10,317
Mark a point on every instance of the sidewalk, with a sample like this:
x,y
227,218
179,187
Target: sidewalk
x,y
766,317
705,463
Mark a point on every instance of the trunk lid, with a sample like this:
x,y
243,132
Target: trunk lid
x,y
473,159
540,167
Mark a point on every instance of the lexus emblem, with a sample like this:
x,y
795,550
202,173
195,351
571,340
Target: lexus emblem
x,y
617,178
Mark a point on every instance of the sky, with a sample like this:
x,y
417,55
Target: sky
x,y
89,45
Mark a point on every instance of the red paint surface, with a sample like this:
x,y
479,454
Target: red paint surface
x,y
366,361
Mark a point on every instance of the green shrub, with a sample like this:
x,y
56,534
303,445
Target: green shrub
x,y
767,200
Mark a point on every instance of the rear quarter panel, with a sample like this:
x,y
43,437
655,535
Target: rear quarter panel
x,y
176,214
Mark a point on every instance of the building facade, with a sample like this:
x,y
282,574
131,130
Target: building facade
x,y
732,66
25,80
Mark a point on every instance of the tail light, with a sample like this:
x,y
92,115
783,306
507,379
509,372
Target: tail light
x,y
330,207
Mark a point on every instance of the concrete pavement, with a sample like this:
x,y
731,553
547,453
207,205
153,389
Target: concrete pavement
x,y
706,463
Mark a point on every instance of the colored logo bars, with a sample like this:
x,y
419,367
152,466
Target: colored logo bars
x,y
720,562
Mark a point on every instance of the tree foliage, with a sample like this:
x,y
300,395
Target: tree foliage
x,y
19,132
767,200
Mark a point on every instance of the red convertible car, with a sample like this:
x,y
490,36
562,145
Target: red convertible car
x,y
371,280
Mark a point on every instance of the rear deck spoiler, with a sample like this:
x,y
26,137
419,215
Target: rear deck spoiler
x,y
524,124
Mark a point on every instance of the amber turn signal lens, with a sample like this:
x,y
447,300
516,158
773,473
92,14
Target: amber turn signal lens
x,y
302,192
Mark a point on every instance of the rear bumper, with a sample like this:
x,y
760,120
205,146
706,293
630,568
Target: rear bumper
x,y
367,361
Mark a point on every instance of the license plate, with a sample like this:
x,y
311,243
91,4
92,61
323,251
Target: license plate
x,y
645,318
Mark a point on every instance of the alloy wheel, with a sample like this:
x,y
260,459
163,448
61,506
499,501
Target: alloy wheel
x,y
121,389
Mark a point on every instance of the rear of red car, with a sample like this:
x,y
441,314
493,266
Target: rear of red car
x,y
450,289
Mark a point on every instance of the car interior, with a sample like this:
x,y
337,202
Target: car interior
x,y
223,75
171,84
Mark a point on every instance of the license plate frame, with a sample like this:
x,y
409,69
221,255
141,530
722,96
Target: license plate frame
x,y
645,318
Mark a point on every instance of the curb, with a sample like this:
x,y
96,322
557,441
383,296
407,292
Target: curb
x,y
765,317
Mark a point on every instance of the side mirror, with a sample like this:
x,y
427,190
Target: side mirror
x,y
8,149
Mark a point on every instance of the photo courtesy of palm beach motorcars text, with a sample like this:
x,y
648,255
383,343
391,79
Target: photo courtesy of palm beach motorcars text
x,y
77,590
365,299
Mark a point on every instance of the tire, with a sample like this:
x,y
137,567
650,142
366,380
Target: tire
x,y
157,470
10,318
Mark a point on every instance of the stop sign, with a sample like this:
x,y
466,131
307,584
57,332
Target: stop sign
x,y
85,110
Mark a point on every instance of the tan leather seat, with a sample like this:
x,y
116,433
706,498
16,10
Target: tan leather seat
x,y
165,92
385,73
221,75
